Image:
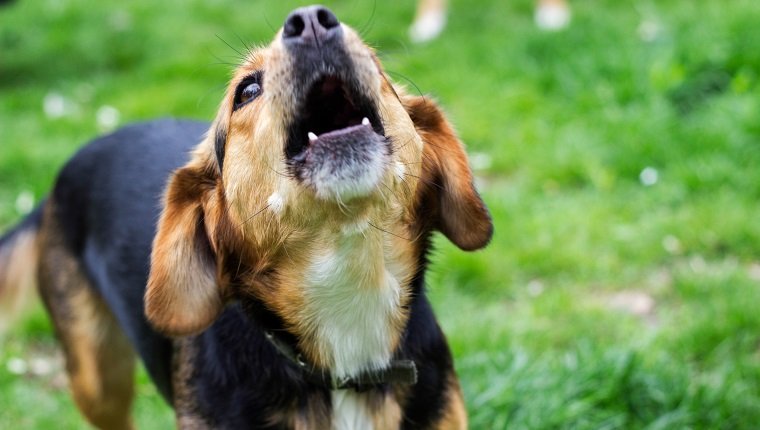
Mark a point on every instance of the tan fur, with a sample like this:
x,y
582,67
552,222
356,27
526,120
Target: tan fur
x,y
387,413
455,416
447,180
100,363
18,267
186,299
315,416
185,406
99,359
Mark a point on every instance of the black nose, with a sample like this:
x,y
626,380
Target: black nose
x,y
311,24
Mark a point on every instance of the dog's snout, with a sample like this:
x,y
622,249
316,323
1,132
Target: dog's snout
x,y
312,24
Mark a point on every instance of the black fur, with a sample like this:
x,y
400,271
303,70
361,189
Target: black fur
x,y
220,144
107,200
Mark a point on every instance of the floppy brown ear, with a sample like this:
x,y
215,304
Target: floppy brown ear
x,y
447,181
183,296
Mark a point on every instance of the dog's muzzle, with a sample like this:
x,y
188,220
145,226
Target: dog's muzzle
x,y
336,142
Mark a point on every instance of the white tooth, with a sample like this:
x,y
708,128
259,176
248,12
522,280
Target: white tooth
x,y
365,121
312,137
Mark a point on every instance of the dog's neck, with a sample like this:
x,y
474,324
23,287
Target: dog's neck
x,y
353,303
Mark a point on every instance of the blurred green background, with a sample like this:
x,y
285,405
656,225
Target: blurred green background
x,y
620,159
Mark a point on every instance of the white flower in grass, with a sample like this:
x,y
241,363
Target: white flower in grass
x,y
120,20
754,271
649,176
698,264
16,366
24,202
535,288
54,105
552,15
634,302
107,117
671,244
41,366
480,161
648,30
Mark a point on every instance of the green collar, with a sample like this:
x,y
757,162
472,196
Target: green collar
x,y
398,372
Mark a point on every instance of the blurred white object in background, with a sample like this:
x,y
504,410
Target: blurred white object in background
x,y
429,22
552,15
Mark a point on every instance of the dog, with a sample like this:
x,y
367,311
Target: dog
x,y
276,278
430,20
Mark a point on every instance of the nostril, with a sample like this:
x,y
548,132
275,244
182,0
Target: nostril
x,y
327,19
294,26
310,25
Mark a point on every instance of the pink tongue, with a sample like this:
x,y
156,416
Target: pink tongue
x,y
349,133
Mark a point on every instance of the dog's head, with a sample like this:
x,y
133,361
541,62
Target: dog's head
x,y
312,147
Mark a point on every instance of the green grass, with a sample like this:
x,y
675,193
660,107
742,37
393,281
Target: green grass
x,y
566,122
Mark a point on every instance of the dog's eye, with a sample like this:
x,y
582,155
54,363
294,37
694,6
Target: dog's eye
x,y
248,89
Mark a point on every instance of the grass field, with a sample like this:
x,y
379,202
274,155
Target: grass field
x,y
620,159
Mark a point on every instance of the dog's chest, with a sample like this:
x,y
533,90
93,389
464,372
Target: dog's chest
x,y
352,305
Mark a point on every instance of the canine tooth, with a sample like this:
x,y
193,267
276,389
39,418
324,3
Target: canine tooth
x,y
365,121
312,137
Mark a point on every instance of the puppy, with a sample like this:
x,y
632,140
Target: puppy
x,y
279,281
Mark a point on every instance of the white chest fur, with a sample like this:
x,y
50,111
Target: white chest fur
x,y
351,303
349,411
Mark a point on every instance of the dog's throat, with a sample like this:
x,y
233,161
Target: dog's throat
x,y
352,307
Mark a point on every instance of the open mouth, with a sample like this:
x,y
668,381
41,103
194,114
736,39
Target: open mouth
x,y
332,113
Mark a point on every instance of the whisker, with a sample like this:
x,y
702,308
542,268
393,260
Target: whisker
x,y
425,181
240,263
283,240
219,60
269,23
215,88
389,189
242,56
404,77
284,175
245,45
367,27
408,141
407,186
442,148
386,231
254,215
